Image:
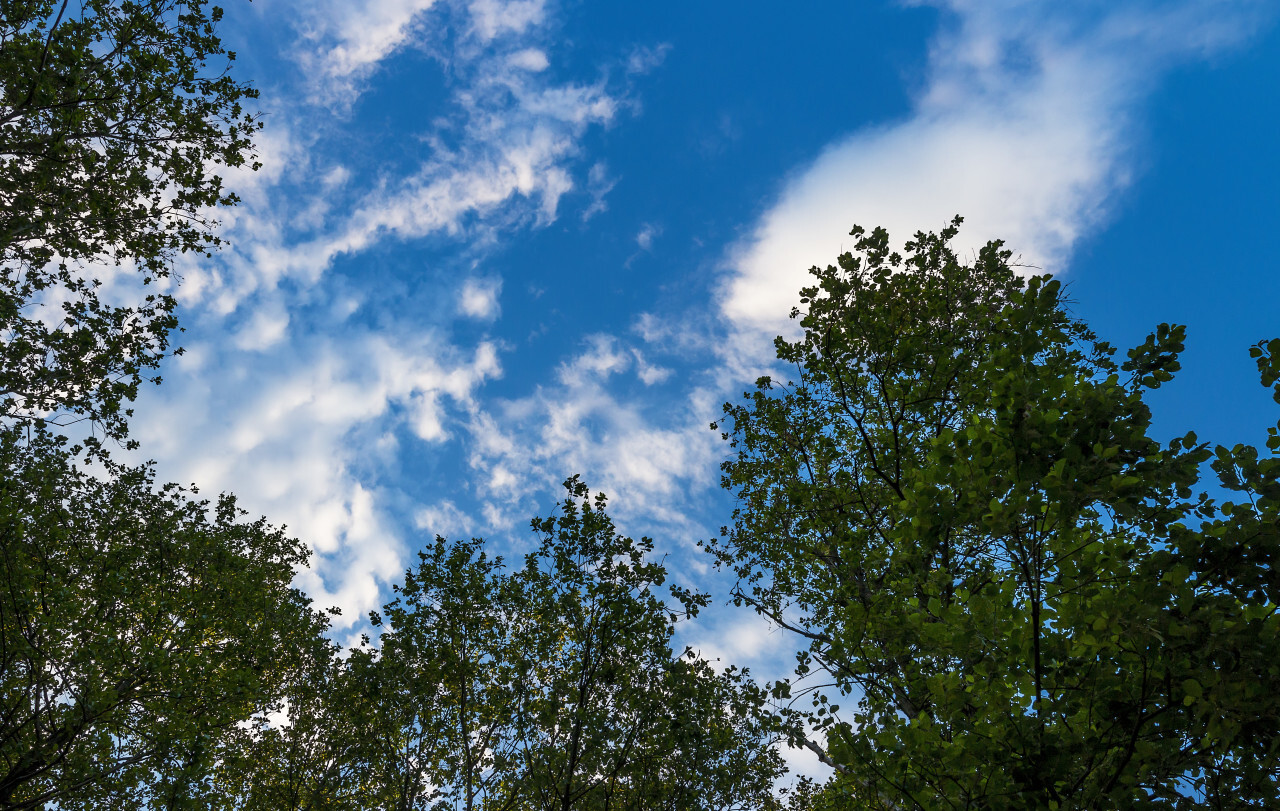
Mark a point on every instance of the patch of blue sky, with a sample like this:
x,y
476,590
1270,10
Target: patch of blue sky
x,y
1193,242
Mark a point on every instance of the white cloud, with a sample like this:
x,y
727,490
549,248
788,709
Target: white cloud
x,y
503,153
648,373
520,135
479,298
265,328
642,59
599,184
533,59
748,639
651,459
647,233
603,358
493,18
344,41
1023,128
514,154
297,430
444,519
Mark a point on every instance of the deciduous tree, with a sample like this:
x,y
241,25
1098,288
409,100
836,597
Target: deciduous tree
x,y
115,118
548,687
1021,601
139,627
620,722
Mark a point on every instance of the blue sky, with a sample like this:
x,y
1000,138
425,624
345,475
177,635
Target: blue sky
x,y
494,243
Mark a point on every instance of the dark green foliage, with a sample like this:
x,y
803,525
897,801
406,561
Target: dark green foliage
x,y
305,757
958,506
621,723
114,115
138,627
551,686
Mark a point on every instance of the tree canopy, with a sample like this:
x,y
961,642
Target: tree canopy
x,y
548,686
1020,597
114,119
138,628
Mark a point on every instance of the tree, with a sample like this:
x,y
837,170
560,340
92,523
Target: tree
x,y
444,684
549,687
957,504
114,117
307,756
138,629
619,722
142,629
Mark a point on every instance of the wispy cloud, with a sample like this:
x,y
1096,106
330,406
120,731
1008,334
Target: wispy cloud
x,y
533,59
644,59
1024,127
344,41
303,410
520,137
599,184
446,519
479,298
493,18
652,458
646,236
298,431
502,152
